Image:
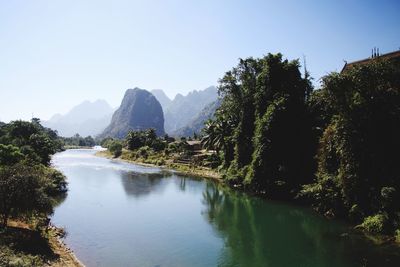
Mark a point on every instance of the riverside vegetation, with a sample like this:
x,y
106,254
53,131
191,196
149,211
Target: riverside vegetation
x,y
146,148
334,148
29,190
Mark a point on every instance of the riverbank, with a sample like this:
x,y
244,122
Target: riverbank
x,y
20,245
179,168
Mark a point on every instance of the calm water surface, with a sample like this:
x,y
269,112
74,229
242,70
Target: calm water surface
x,y
119,214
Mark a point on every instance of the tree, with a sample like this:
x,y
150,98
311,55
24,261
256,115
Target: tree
x,y
28,187
22,192
216,133
115,147
262,125
150,135
135,140
33,140
358,159
10,155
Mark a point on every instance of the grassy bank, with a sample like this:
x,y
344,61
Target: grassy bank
x,y
163,161
21,245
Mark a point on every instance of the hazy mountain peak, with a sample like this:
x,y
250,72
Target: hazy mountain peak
x,y
184,109
164,100
86,118
178,97
55,117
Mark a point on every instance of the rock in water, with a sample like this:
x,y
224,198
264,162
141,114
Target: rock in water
x,y
139,110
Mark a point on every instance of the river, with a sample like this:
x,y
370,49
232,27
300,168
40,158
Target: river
x,y
120,214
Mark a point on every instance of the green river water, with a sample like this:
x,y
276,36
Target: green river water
x,y
119,214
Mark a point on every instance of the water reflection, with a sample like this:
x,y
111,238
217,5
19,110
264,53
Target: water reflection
x,y
141,184
119,214
261,233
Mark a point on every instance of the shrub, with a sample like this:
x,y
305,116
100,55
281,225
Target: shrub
x,y
375,224
115,147
143,152
397,235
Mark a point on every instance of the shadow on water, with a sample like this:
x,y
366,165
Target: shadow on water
x,y
263,233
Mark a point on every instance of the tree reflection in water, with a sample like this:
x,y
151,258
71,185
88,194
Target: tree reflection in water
x,y
265,233
141,184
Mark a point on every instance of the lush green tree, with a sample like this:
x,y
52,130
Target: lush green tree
x,y
115,147
358,163
135,140
28,187
216,134
106,141
33,140
238,88
22,192
78,140
10,155
263,125
150,134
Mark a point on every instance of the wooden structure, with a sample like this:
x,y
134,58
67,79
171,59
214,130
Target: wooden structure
x,y
375,55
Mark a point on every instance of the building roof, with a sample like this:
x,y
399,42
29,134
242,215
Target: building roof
x,y
193,143
392,55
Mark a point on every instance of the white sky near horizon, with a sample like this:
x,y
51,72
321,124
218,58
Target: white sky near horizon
x,y
56,54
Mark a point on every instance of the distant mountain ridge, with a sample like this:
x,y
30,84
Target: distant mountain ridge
x,y
139,110
183,115
164,100
182,110
197,123
87,118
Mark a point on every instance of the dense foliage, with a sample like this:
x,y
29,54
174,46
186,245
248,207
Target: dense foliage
x,y
32,139
263,127
146,147
336,147
137,140
28,186
358,163
78,141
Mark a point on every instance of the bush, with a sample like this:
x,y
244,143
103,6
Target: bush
x,y
160,162
143,152
106,142
56,182
115,147
375,224
24,191
12,258
397,235
213,160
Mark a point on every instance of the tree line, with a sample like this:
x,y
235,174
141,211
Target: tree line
x,y
335,147
29,187
78,141
138,140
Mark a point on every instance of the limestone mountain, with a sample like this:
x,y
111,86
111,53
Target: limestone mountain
x,y
182,110
87,118
139,110
197,123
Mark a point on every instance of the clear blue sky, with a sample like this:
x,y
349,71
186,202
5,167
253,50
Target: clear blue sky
x,y
54,54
